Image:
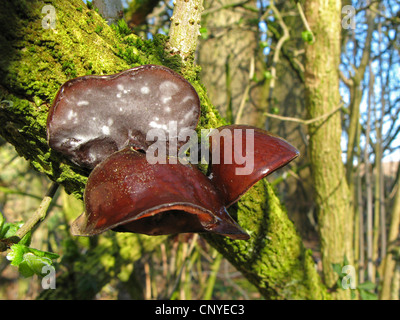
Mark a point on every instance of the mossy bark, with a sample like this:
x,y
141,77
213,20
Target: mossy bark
x,y
34,64
335,214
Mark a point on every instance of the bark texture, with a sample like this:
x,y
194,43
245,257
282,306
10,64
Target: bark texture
x,y
322,96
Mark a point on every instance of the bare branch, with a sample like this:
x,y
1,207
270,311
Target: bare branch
x,y
39,214
303,18
302,121
246,91
185,26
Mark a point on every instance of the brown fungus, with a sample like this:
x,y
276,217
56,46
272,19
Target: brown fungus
x,y
101,123
126,193
242,155
94,116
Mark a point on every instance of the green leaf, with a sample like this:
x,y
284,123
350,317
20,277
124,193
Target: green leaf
x,y
23,257
263,44
275,110
267,75
45,254
367,285
9,229
1,225
366,295
26,239
337,268
32,264
307,36
16,255
204,33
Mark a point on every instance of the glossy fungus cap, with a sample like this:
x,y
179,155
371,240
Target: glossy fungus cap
x,y
94,116
126,193
242,155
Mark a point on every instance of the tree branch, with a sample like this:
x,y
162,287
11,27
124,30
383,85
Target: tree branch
x,y
39,214
246,91
185,26
305,22
302,121
275,58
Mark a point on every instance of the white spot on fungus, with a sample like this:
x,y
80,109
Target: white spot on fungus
x,y
83,103
71,114
105,130
154,124
145,90
168,87
166,99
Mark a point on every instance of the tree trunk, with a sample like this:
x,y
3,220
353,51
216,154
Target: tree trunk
x,y
368,187
36,61
225,57
335,218
288,97
389,264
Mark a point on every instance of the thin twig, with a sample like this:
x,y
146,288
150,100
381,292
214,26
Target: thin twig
x,y
147,292
305,22
39,214
185,259
246,91
302,121
275,58
22,193
223,7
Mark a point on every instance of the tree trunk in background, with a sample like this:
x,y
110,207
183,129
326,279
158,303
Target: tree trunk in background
x,y
225,60
288,98
335,218
389,263
138,10
111,10
225,57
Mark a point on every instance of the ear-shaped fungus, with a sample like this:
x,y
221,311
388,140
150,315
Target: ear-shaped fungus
x,y
100,122
126,193
245,155
94,116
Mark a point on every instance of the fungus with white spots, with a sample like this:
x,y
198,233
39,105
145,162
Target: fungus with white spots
x,y
107,113
101,123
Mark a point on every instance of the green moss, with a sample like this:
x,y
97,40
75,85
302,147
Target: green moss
x,y
274,259
121,28
98,29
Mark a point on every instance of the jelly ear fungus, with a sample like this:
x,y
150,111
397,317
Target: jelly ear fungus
x,y
101,123
245,155
94,116
126,193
